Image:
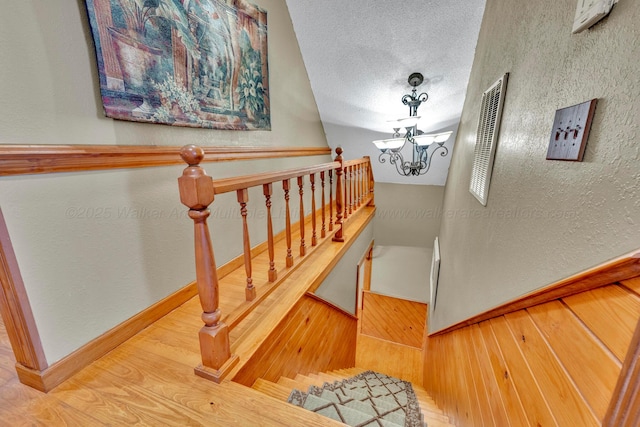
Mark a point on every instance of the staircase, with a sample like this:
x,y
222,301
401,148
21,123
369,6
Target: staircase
x,y
433,416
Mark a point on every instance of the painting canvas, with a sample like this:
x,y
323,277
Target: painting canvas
x,y
200,63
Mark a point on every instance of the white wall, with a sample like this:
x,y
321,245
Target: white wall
x,y
401,272
407,215
545,220
339,287
95,248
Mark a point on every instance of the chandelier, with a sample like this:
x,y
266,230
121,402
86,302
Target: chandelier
x,y
413,137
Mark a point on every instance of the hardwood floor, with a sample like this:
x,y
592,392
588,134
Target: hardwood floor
x,y
149,379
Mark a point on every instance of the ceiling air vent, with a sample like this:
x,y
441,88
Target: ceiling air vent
x,y
487,138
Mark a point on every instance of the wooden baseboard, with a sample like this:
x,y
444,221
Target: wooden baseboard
x,y
622,268
47,379
330,304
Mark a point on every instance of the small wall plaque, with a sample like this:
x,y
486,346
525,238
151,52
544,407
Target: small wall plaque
x,y
570,132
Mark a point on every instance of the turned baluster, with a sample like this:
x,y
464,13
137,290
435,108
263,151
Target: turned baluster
x,y
352,197
363,169
362,183
331,200
352,187
358,184
196,192
349,178
339,236
345,180
369,181
323,230
314,237
285,187
365,181
243,198
303,248
267,190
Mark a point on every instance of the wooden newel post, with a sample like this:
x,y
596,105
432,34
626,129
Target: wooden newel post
x,y
196,192
339,236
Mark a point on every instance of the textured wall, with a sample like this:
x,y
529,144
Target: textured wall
x,y
544,219
95,248
407,215
339,287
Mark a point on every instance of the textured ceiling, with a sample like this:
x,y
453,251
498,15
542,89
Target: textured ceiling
x,y
359,54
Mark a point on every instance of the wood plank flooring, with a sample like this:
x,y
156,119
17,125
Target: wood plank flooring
x,y
555,363
149,379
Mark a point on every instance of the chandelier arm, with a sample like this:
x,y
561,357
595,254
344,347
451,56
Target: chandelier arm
x,y
396,159
381,159
420,161
444,152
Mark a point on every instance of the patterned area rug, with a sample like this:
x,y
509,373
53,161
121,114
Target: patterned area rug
x,y
369,399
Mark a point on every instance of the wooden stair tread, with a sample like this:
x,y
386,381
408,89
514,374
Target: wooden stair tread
x,y
277,391
291,384
325,377
422,394
308,381
348,372
274,409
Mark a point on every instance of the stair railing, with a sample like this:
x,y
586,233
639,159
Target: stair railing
x,y
353,190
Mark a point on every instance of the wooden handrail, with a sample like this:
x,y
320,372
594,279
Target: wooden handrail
x,y
355,162
226,185
198,191
18,159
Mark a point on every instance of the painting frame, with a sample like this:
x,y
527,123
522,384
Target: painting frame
x,y
196,63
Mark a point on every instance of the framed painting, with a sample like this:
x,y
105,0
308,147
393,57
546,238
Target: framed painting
x,y
199,63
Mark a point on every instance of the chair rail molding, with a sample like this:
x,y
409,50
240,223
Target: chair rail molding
x,y
39,159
